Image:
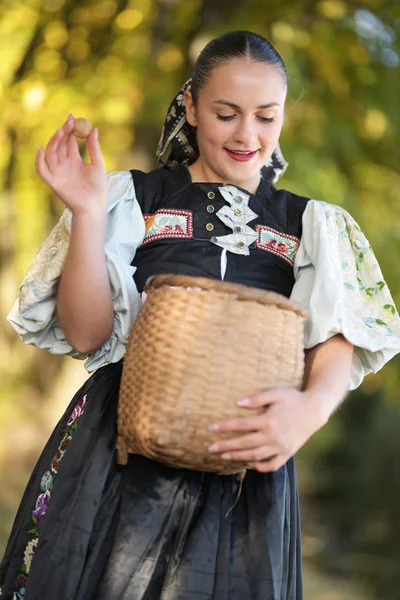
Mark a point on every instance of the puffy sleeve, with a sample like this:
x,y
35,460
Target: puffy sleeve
x,y
34,315
339,282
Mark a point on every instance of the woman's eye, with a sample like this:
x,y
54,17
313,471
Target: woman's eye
x,y
224,118
230,117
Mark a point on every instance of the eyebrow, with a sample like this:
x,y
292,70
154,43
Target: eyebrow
x,y
237,107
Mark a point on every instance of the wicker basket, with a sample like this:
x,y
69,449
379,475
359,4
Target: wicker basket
x,y
198,346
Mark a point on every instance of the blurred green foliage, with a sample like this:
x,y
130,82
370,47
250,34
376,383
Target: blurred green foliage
x,y
119,63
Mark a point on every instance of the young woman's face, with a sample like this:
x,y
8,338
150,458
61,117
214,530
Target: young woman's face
x,y
239,116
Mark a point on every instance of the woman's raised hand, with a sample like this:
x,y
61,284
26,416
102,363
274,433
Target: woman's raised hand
x,y
81,185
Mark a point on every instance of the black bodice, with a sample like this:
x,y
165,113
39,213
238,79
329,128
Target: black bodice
x,y
182,222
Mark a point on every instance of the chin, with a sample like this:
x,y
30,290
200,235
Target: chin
x,y
243,172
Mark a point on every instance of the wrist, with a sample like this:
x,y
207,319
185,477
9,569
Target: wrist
x,y
90,224
320,405
93,209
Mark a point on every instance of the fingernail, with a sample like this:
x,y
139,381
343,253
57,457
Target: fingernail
x,y
243,402
70,117
213,427
225,456
39,148
213,448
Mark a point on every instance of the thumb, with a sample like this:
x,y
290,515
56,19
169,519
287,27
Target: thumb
x,y
94,150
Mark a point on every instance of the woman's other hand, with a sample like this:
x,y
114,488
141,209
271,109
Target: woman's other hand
x,y
81,185
269,439
289,417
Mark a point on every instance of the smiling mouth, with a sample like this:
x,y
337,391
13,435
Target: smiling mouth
x,y
241,152
241,155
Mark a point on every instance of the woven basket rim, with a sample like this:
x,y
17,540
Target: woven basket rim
x,y
242,292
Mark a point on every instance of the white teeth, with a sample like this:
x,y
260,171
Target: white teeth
x,y
241,153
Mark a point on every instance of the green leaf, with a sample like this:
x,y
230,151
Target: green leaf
x,y
380,322
34,530
391,308
370,291
380,284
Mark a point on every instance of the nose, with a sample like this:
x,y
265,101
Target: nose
x,y
246,133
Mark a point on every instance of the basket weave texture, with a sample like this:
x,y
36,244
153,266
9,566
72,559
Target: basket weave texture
x,y
198,345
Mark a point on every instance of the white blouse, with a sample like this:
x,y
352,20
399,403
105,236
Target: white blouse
x,y
337,279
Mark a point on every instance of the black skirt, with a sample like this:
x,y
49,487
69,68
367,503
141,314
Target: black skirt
x,y
89,529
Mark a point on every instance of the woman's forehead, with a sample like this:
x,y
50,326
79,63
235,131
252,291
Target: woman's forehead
x,y
241,80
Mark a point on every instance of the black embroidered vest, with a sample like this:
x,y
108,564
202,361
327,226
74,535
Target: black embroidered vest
x,y
211,230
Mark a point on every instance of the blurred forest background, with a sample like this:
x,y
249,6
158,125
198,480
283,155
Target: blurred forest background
x,y
119,63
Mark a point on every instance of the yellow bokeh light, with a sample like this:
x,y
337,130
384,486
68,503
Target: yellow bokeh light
x,y
283,32
143,5
129,19
333,9
375,124
78,51
48,61
80,15
34,96
110,66
358,54
116,111
11,20
55,35
302,38
78,34
103,11
95,85
170,60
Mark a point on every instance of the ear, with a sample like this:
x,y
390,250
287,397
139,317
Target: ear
x,y
190,108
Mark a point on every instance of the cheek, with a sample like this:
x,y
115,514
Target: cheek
x,y
212,133
270,134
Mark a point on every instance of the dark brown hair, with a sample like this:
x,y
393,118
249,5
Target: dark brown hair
x,y
234,44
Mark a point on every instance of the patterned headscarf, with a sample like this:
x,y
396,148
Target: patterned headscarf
x,y
180,136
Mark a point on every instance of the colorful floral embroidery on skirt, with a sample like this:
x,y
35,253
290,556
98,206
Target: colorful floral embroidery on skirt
x,y
46,485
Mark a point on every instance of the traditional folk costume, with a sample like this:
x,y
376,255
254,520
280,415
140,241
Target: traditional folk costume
x,y
88,528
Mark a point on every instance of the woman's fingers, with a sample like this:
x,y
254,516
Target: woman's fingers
x,y
41,166
73,148
251,440
94,150
52,147
246,448
274,463
238,424
252,455
63,146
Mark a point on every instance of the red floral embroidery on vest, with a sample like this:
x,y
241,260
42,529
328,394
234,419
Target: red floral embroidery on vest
x,y
281,244
168,223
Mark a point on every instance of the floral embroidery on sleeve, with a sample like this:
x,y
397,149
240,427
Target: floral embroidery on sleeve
x,y
368,302
47,264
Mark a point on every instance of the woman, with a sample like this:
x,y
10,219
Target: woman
x,y
88,528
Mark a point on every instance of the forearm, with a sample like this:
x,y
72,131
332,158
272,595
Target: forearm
x,y
327,376
84,301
